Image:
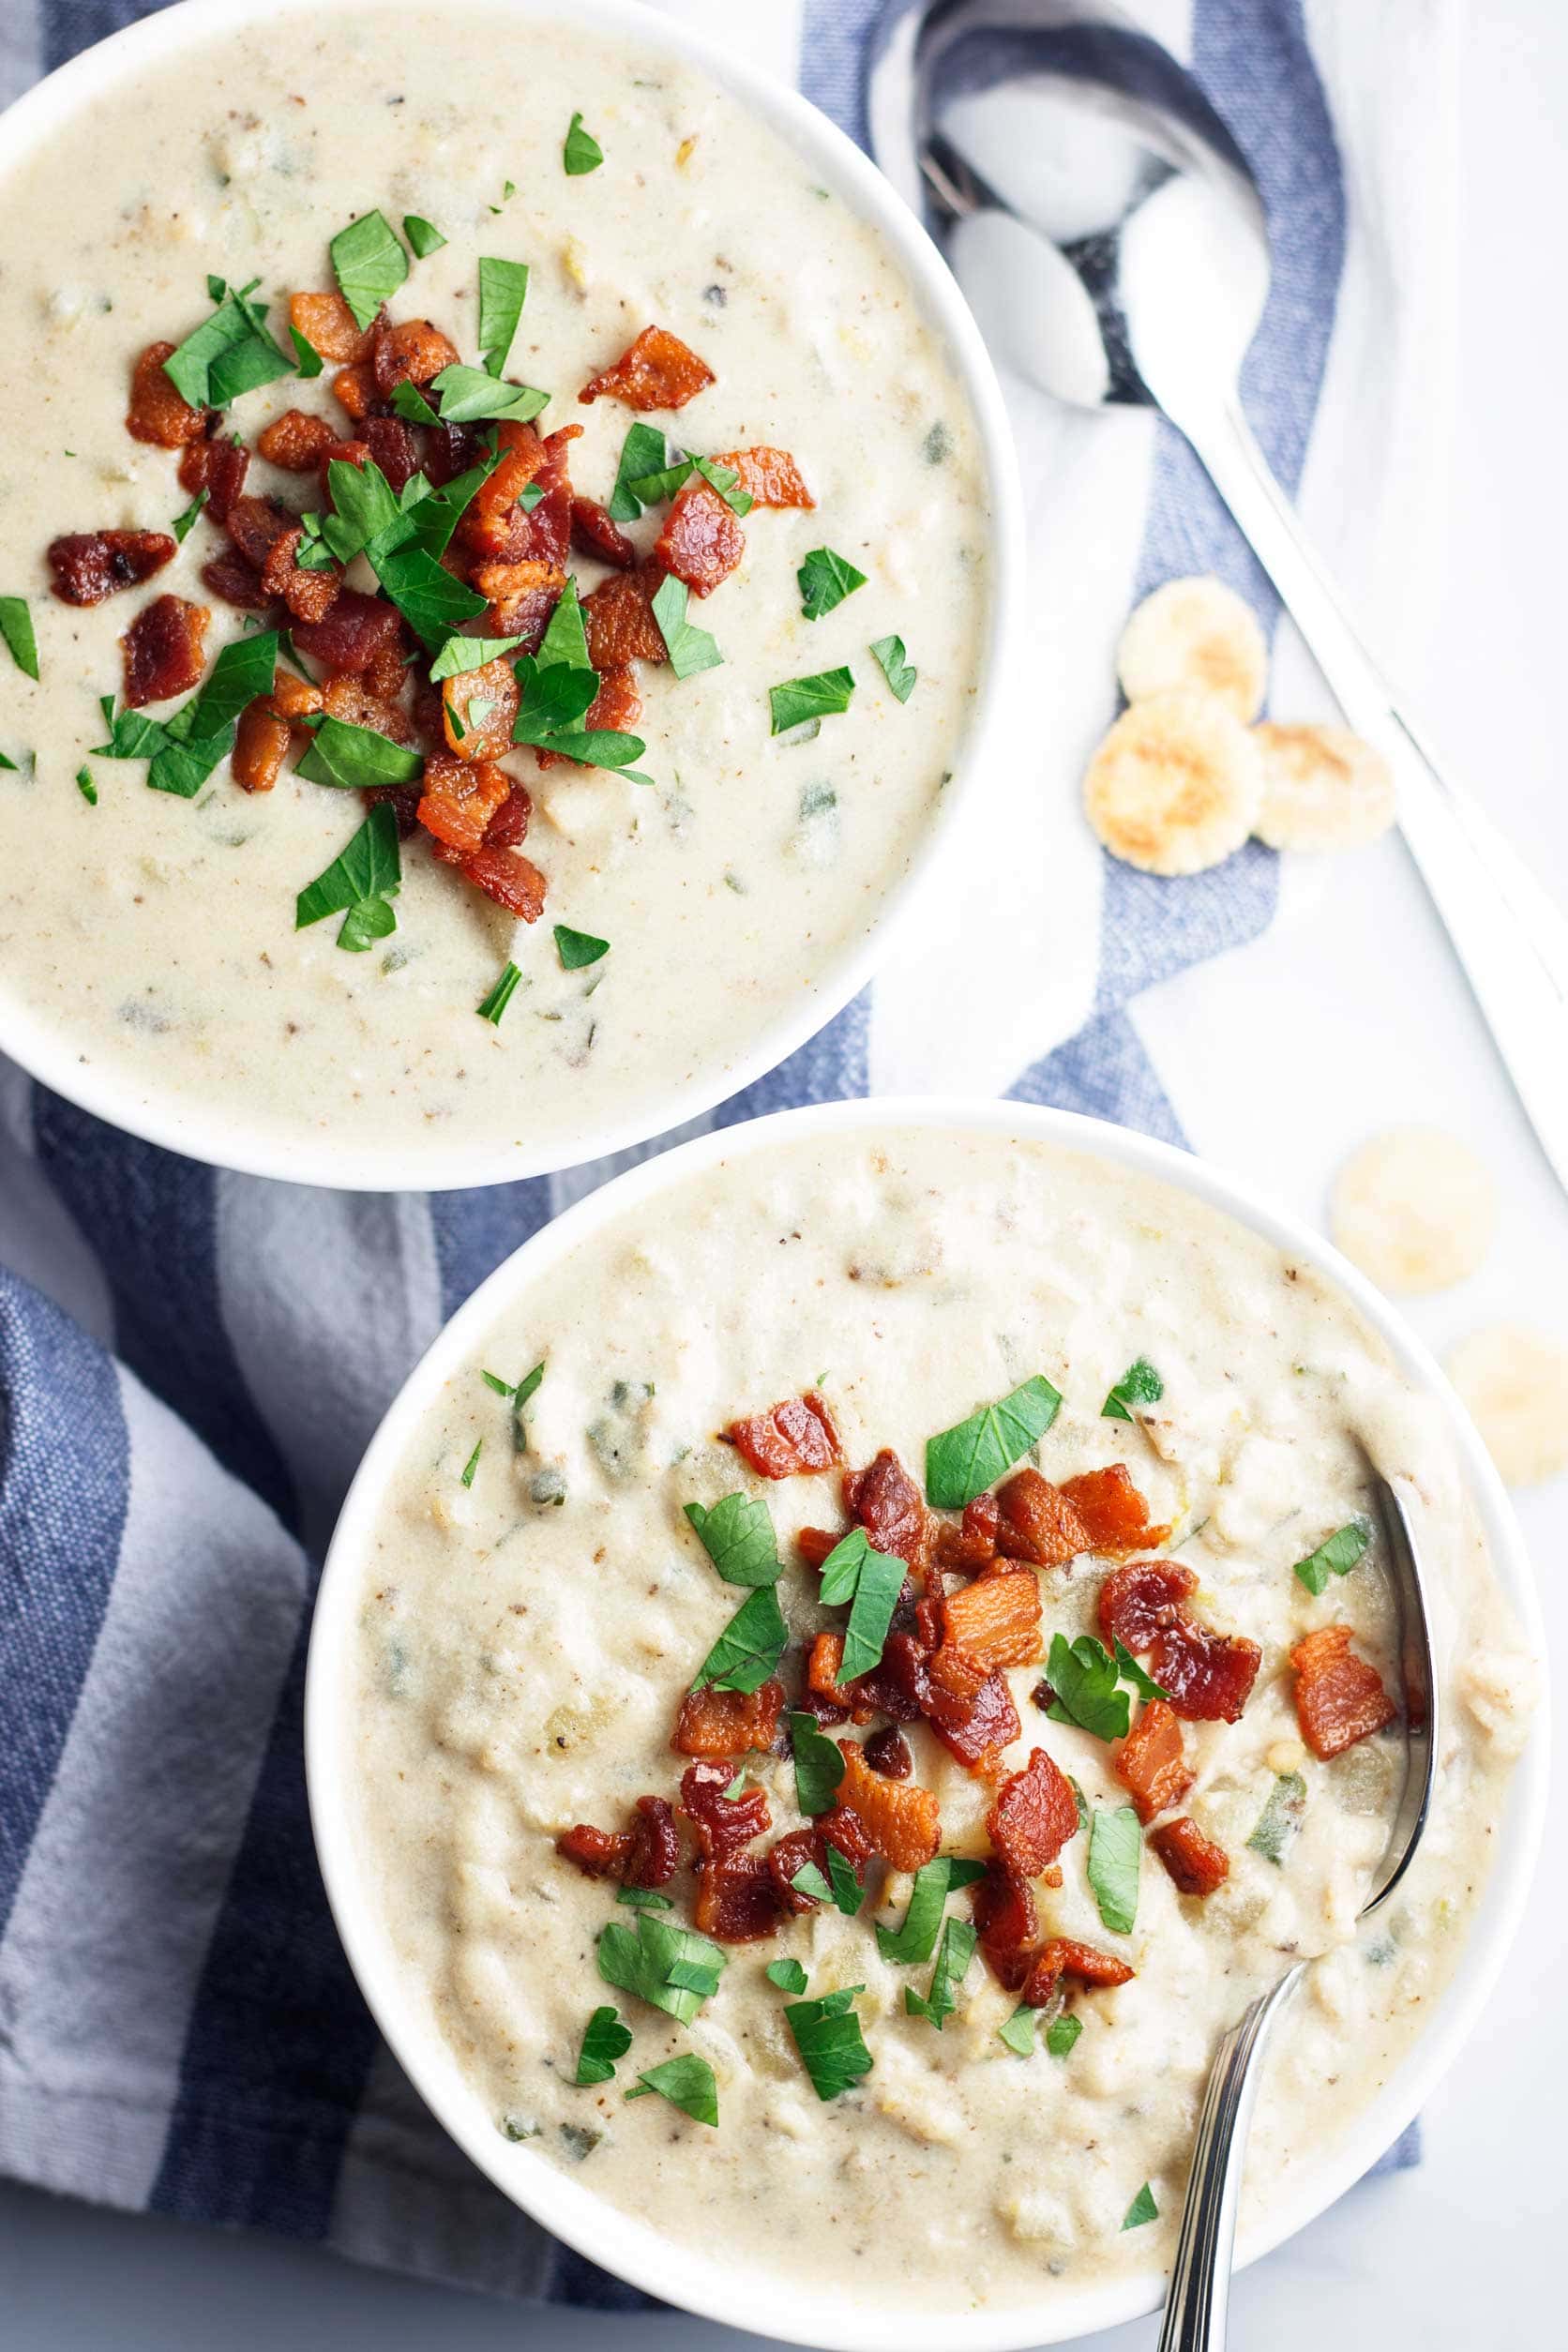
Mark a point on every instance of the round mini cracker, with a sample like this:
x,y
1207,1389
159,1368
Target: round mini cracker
x,y
1415,1210
1513,1383
1323,788
1175,787
1196,635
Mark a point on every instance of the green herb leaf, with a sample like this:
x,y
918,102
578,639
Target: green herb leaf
x,y
687,2082
808,1880
472,1463
819,1765
694,1976
16,628
371,265
1062,2033
954,1955
424,238
1115,1846
469,395
430,600
690,649
307,359
934,1882
825,580
461,654
565,640
841,1568
1017,2034
843,1884
822,696
502,1388
654,488
355,757
183,523
748,1649
578,949
9,765
500,996
963,1461
228,354
828,2037
1086,1680
1130,1671
876,1596
552,699
889,655
364,875
365,507
639,1960
1337,1557
85,785
526,1387
581,152
605,2039
503,292
409,402
1139,1384
788,1975
643,451
1142,2209
1280,1818
737,1535
242,671
644,1899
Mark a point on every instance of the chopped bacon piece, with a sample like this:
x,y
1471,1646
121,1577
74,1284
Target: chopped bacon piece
x,y
737,1898
887,1752
546,530
392,445
1140,1598
256,524
413,352
967,1555
509,825
217,465
723,1824
403,801
342,453
619,619
815,1544
658,371
1008,1922
888,1506
1064,1955
598,1853
975,1725
478,708
309,595
89,566
387,672
596,533
794,1436
1195,1861
787,1859
158,412
1208,1677
899,1818
1036,1522
230,577
643,1855
329,327
357,628
350,699
1339,1698
1152,1763
493,519
292,697
823,1664
513,881
522,597
702,541
827,1712
844,1829
459,799
296,440
163,650
897,1686
617,705
261,745
769,476
1114,1514
996,1621
354,388
728,1722
450,450
1034,1815
737,1903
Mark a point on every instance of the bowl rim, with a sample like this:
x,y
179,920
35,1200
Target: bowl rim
x,y
181,1123
712,2288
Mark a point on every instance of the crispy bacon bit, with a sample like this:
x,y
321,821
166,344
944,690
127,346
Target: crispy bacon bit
x,y
617,705
702,541
1062,1955
967,1555
737,1904
403,801
596,533
974,1725
658,371
1036,1522
996,1621
391,444
1195,1861
1152,1763
387,672
296,440
737,1898
342,453
844,1829
900,1817
827,1712
723,1824
158,412
1339,1698
459,799
522,597
1138,1600
728,1722
1208,1676
822,1668
492,520
508,827
1008,1922
350,699
256,524
793,1436
478,708
329,327
1033,1817
354,388
310,595
643,1855
887,1752
1114,1515
292,697
598,1853
769,476
513,881
261,745
814,1544
787,1859
89,566
413,352
888,1506
217,465
450,450
230,577
547,530
349,638
619,619
897,1686
163,650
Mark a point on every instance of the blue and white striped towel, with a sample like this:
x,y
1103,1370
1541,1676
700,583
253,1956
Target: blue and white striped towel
x,y
178,1412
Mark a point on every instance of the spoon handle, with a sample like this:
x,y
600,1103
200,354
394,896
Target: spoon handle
x,y
1200,2293
1509,936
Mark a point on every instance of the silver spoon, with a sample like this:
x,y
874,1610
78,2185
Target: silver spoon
x,y
1199,2295
1112,240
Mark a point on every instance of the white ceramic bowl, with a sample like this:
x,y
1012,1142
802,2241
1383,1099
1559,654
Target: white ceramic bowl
x,y
182,1124
709,2286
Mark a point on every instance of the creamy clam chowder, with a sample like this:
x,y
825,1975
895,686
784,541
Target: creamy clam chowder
x,y
655,1992
735,835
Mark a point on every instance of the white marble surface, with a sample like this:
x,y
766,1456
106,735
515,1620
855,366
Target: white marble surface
x,y
1348,1018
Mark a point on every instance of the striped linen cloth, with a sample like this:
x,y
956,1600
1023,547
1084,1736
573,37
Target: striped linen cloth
x,y
179,1410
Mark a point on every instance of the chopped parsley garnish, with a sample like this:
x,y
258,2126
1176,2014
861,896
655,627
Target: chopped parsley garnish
x,y
1139,1384
470,394
360,884
809,1880
1142,2208
824,695
581,152
307,359
640,1959
472,1463
1062,2033
644,1899
825,580
183,524
1130,1671
687,2082
843,1884
748,1649
605,2039
737,1787
16,628
954,1955
423,235
1337,1557
578,949
355,757
228,353
1017,2034
900,674
85,786
555,697
934,1882
526,1387
737,1535
819,1765
183,749
695,1976
495,1003
1087,1682
690,649
643,451
1115,1846
409,402
828,2037
369,263
461,654
1280,1818
788,1975
502,1388
840,1570
654,488
963,1461
503,292
873,1580
9,765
